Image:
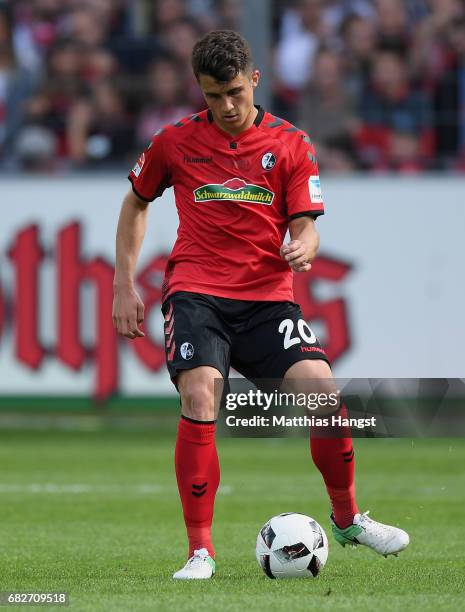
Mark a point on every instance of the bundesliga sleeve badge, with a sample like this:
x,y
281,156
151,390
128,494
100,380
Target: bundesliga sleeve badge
x,y
314,188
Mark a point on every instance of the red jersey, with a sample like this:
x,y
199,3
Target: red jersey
x,y
235,196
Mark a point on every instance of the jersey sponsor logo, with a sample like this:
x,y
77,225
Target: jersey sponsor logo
x,y
187,350
235,189
140,164
268,161
314,188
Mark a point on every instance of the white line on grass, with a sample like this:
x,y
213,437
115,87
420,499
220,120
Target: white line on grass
x,y
81,488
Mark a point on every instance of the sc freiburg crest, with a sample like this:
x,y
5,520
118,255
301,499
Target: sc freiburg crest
x,y
268,161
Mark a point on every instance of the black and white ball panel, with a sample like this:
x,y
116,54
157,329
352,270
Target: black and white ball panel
x,y
292,545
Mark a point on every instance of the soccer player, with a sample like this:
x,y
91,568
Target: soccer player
x,y
242,177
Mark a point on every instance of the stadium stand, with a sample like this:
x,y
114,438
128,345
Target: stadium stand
x,y
378,84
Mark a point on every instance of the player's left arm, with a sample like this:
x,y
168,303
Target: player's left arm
x,y
305,240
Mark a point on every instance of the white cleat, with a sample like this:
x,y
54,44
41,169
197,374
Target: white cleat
x,y
199,567
383,539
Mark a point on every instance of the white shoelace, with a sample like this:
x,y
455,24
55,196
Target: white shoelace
x,y
382,531
198,557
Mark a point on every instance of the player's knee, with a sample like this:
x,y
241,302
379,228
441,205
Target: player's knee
x,y
314,379
197,398
309,369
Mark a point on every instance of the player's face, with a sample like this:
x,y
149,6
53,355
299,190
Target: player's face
x,y
231,103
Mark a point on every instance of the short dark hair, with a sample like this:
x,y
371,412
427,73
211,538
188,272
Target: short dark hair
x,y
221,54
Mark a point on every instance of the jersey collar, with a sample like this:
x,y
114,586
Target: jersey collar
x,y
257,121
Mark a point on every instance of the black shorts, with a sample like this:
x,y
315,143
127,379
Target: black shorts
x,y
261,340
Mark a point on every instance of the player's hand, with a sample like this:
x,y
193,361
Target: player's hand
x,y
128,313
295,253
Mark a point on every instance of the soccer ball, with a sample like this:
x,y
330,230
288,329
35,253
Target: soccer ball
x,y
292,545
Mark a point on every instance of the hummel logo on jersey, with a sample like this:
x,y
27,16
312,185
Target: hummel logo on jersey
x,y
197,160
235,189
268,161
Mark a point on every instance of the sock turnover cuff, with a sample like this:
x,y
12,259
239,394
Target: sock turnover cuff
x,y
190,420
196,432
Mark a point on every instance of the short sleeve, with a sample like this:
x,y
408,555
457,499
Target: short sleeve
x,y
151,174
303,193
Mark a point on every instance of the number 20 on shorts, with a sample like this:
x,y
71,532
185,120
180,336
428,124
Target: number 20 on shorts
x,y
286,327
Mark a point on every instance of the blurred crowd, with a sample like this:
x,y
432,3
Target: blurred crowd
x,y
378,84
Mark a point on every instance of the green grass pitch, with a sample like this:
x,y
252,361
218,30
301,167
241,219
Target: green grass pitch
x,y
96,514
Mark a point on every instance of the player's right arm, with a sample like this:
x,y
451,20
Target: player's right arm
x,y
149,178
128,309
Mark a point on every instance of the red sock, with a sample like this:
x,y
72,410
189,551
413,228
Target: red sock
x,y
198,476
334,457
